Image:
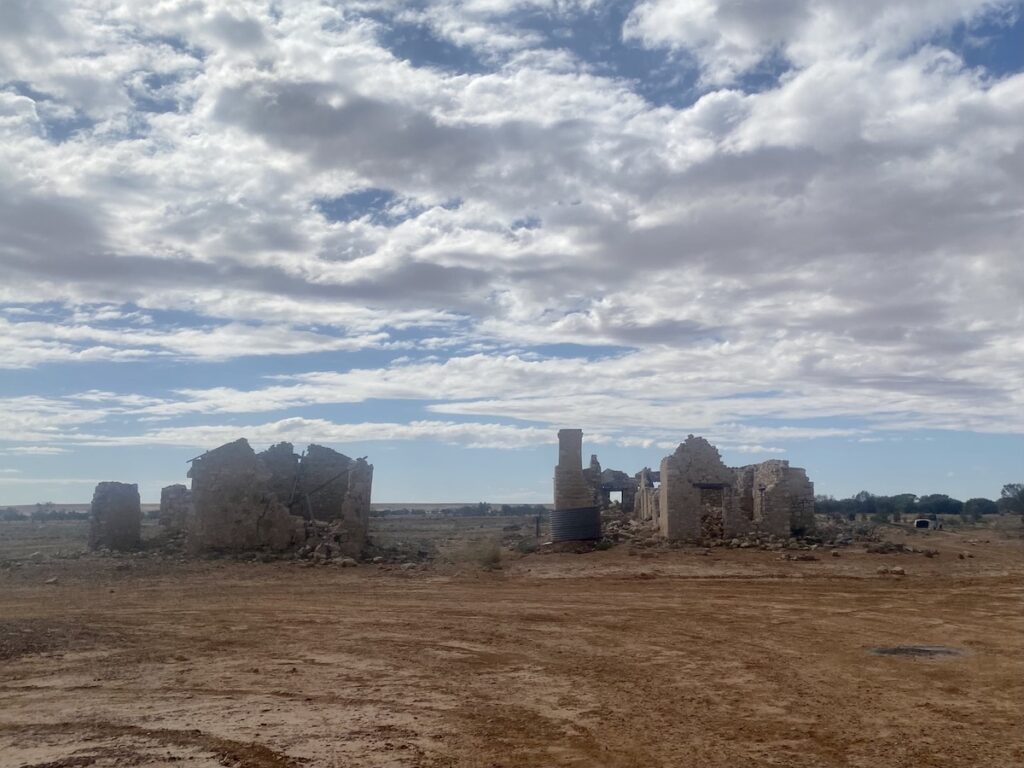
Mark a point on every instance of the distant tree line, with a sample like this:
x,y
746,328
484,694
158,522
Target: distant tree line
x,y
43,512
904,506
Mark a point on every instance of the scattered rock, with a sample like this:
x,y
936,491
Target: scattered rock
x,y
346,562
36,557
52,580
895,570
886,548
835,553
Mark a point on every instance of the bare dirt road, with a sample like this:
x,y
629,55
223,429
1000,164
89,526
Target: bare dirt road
x,y
653,658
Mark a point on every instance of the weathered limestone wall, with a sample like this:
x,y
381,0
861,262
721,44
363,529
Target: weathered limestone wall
x,y
355,509
571,488
243,500
613,480
647,497
324,479
745,494
687,510
592,475
783,499
115,518
801,512
235,509
175,507
701,498
283,465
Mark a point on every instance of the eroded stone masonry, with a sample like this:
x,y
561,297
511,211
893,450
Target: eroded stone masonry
x,y
115,517
242,501
695,496
577,512
175,507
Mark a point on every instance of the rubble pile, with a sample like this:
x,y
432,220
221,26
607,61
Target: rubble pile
x,y
330,540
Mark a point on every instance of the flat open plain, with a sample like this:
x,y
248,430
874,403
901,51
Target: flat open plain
x,y
627,657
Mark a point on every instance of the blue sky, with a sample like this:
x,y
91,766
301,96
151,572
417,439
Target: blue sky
x,y
434,233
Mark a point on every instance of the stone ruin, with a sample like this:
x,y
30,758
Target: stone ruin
x,y
577,513
276,500
175,508
695,496
234,505
647,503
115,517
776,498
240,501
574,489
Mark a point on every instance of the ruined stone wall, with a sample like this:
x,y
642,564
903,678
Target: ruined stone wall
x,y
355,508
175,507
684,509
700,497
243,500
743,521
613,480
592,476
801,514
571,488
234,508
324,479
115,517
283,465
646,493
629,499
783,499
652,505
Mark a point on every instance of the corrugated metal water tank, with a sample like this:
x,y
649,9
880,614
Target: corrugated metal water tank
x,y
576,524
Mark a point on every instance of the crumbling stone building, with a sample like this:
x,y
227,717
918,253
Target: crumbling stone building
x,y
283,465
647,495
235,508
695,495
701,498
243,500
776,498
616,481
115,517
175,506
576,515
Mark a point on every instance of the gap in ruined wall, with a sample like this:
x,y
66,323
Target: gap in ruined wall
x,y
712,514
